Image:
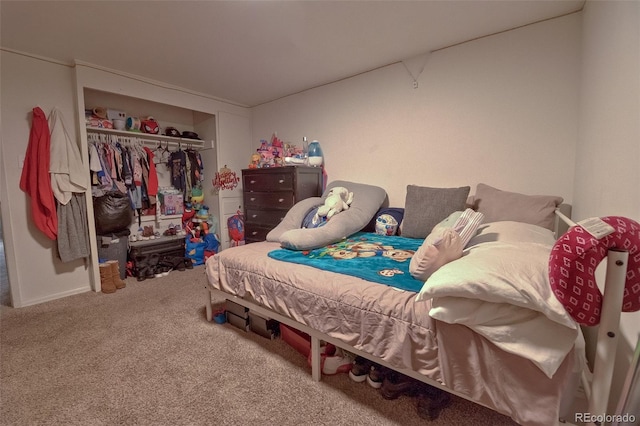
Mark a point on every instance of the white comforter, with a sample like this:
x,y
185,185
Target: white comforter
x,y
500,289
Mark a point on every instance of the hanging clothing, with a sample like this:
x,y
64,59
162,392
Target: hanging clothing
x,y
66,168
73,231
152,183
35,179
177,164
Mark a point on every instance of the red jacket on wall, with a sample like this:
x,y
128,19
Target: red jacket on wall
x,y
35,179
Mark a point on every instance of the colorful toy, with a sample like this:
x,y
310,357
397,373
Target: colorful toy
x,y
386,225
197,196
255,161
236,228
203,213
150,125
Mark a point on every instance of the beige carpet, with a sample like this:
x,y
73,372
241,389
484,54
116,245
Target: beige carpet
x,y
145,355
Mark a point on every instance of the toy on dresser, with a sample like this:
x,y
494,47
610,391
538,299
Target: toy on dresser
x,y
274,154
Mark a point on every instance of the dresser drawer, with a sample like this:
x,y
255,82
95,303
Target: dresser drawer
x,y
268,182
269,200
264,217
253,233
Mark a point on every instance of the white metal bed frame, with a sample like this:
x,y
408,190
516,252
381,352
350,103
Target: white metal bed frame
x,y
596,386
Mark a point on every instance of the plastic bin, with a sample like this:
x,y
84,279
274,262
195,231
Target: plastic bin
x,y
112,247
297,339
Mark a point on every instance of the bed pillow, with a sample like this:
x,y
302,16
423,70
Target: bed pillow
x,y
439,248
498,205
367,199
445,243
425,207
294,217
449,221
512,232
500,272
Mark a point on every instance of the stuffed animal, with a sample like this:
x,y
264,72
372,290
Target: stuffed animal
x,y
338,199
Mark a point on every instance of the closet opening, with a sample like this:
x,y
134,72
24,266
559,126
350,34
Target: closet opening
x,y
151,139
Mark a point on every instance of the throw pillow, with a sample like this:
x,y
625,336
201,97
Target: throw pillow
x,y
467,225
439,248
425,207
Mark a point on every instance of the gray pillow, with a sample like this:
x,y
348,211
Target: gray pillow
x,y
498,205
294,217
367,199
425,207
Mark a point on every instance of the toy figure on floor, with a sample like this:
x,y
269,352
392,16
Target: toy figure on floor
x,y
236,229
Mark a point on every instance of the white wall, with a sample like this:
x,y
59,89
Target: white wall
x,y
500,110
607,172
31,257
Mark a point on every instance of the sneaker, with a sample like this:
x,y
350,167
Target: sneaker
x,y
360,369
148,232
376,375
341,362
188,263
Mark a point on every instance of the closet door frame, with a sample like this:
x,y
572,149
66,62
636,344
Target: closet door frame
x,y
89,76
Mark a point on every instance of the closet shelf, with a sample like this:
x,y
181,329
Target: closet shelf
x,y
158,218
151,139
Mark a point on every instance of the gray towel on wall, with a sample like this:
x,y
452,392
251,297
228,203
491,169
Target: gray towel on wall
x,y
73,234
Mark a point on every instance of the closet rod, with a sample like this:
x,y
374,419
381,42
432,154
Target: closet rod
x,y
146,139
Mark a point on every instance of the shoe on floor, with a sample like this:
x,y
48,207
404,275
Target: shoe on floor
x,y
431,401
396,384
327,349
360,369
376,375
341,362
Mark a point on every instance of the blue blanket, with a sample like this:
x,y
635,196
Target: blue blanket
x,y
378,258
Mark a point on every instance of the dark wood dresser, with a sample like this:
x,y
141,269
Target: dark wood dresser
x,y
270,193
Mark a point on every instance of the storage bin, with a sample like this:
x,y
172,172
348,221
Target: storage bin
x,y
298,340
265,327
236,321
165,246
237,309
112,247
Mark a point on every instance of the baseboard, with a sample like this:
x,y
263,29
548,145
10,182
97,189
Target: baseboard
x,y
31,302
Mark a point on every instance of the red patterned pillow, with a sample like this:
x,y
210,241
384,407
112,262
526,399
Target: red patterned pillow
x,y
573,262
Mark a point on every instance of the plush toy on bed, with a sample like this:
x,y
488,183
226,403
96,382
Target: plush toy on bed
x,y
339,199
366,201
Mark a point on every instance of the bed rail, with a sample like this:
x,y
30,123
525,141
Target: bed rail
x,y
597,386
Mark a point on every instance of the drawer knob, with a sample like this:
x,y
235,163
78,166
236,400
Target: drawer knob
x,y
281,181
280,200
254,216
253,199
253,181
254,233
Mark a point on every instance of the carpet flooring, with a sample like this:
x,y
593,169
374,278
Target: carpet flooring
x,y
146,355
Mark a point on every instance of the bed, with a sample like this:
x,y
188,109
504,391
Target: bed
x,y
512,349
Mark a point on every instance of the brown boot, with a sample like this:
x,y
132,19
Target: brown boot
x,y
106,279
115,274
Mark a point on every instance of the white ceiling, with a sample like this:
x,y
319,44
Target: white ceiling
x,y
251,52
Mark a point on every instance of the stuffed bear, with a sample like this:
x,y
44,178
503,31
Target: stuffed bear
x,y
338,199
